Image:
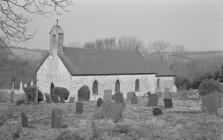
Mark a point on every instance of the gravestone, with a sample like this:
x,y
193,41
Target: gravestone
x,y
220,96
213,103
130,95
157,111
71,99
48,100
118,97
168,103
167,94
153,100
134,100
56,118
54,98
107,95
79,107
99,102
24,119
12,93
112,110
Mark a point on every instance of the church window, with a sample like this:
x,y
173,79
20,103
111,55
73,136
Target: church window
x,y
95,87
158,83
137,85
117,86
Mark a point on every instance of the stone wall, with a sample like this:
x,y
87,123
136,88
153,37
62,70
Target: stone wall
x,y
53,70
127,83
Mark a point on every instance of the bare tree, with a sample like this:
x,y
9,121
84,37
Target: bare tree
x,y
14,17
130,43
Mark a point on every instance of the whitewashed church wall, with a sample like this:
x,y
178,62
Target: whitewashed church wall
x,y
165,82
127,83
53,70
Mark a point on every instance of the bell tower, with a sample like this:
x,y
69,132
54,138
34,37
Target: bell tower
x,y
56,39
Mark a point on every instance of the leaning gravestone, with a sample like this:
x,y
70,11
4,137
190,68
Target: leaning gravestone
x,y
153,100
79,107
107,95
134,100
56,118
118,97
48,100
24,119
71,99
99,102
130,95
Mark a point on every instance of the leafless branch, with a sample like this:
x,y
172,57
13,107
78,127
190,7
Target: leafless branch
x,y
14,17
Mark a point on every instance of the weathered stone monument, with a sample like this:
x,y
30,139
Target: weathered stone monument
x,y
12,93
99,102
118,97
24,119
107,95
56,118
79,107
167,99
48,100
153,100
134,99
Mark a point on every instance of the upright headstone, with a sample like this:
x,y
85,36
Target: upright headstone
x,y
220,96
24,119
25,85
99,102
153,100
79,107
12,93
48,100
71,99
134,100
56,118
130,95
168,103
118,97
21,87
112,110
213,103
107,95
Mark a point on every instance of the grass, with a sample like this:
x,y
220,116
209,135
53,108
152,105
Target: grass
x,y
138,123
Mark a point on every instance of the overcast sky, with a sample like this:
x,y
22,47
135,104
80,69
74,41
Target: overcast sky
x,y
196,24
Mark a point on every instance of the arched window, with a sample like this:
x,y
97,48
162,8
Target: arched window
x,y
158,83
117,86
95,87
137,85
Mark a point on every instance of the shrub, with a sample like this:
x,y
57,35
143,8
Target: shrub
x,y
84,93
31,94
61,92
208,86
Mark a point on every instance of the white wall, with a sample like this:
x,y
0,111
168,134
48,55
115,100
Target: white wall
x,y
53,70
127,83
166,82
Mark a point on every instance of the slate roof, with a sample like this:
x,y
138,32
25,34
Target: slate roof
x,y
82,61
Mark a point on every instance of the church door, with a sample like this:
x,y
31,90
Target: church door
x,y
117,86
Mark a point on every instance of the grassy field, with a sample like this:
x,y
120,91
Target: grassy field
x,y
184,121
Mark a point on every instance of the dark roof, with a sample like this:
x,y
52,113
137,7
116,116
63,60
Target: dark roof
x,y
81,61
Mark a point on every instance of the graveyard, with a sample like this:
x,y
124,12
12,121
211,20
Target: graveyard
x,y
184,120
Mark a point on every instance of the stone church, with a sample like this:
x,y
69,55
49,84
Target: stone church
x,y
100,70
